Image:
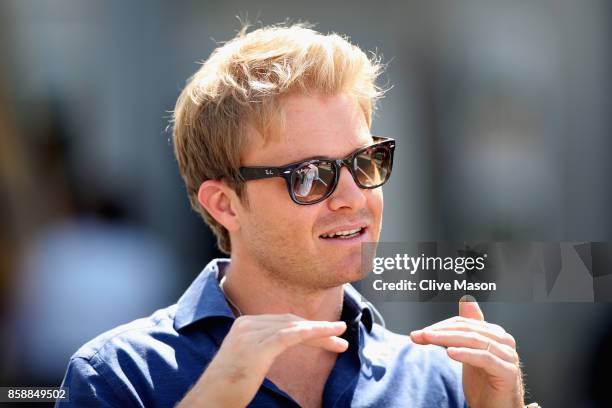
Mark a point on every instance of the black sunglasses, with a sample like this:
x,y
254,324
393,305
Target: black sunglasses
x,y
312,181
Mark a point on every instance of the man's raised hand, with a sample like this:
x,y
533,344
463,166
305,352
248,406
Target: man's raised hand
x,y
235,374
491,367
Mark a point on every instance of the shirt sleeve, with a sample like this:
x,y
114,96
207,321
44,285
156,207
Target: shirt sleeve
x,y
87,387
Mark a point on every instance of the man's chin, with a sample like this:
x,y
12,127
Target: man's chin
x,y
342,275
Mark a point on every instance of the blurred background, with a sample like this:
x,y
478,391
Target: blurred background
x,y
502,110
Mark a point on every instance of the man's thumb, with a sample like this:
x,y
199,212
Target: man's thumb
x,y
468,307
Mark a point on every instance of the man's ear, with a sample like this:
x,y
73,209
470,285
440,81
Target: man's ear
x,y
219,200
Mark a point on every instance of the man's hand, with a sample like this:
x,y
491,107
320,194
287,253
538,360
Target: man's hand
x,y
235,374
491,368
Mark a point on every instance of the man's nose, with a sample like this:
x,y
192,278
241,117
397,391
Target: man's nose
x,y
347,194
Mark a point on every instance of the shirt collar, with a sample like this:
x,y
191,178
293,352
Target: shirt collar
x,y
358,305
204,299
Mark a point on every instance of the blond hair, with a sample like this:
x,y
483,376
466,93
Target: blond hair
x,y
241,84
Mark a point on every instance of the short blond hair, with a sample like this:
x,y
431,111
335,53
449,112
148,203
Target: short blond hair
x,y
241,84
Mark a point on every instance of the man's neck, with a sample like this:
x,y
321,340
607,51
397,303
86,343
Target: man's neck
x,y
254,291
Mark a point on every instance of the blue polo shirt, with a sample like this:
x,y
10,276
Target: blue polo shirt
x,y
154,361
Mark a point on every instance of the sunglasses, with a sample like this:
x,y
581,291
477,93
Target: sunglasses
x,y
313,180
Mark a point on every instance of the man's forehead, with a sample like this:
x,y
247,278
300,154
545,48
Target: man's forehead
x,y
310,126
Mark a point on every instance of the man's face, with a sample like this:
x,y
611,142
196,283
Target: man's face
x,y
284,238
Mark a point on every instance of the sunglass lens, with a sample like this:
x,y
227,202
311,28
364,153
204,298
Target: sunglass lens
x,y
312,181
372,166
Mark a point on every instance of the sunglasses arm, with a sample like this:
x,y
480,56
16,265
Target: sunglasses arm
x,y
256,173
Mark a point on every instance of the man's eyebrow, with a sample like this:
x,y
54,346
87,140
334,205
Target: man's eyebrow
x,y
368,143
365,144
323,157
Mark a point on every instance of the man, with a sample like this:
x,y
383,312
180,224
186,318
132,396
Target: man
x,y
272,137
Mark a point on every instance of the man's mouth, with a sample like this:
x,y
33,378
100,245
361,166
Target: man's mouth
x,y
344,234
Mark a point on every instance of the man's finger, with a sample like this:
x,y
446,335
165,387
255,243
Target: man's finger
x,y
468,307
332,343
458,320
470,340
500,337
277,341
492,364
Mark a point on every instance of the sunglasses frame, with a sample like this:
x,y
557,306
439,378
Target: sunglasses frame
x,y
287,171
